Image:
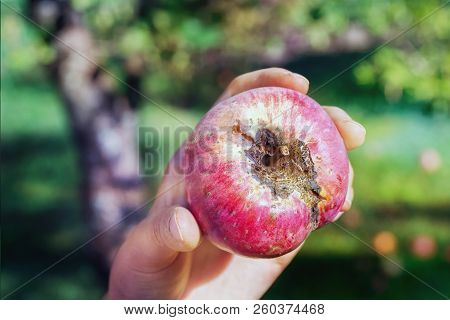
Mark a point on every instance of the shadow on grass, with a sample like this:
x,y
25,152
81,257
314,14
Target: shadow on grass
x,y
41,220
357,277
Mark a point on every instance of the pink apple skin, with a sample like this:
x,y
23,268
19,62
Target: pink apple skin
x,y
238,210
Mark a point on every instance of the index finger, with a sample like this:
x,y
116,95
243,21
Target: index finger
x,y
271,77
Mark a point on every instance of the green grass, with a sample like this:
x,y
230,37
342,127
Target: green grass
x,y
390,157
41,220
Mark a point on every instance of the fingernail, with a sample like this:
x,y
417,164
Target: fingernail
x,y
302,78
362,128
184,229
357,128
174,226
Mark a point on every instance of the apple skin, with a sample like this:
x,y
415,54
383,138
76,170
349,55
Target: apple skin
x,y
233,208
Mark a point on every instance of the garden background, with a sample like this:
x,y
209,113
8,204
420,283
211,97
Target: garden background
x,y
385,62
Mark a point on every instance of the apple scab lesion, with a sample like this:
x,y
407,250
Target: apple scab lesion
x,y
284,166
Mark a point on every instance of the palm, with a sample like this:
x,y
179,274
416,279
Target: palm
x,y
234,276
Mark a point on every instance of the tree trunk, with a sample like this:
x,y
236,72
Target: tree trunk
x,y
104,129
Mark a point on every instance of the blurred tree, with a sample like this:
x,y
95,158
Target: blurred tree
x,y
103,124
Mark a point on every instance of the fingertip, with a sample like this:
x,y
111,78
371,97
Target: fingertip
x,y
347,205
348,200
280,77
304,83
270,77
283,78
353,133
184,230
336,114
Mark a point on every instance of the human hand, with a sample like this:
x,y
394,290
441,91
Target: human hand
x,y
165,255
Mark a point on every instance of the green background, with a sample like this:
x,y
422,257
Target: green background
x,y
400,94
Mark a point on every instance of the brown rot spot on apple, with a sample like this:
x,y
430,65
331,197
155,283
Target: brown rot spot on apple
x,y
284,166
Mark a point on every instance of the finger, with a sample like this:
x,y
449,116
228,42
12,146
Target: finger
x,y
348,201
349,197
156,241
149,264
351,131
271,77
177,230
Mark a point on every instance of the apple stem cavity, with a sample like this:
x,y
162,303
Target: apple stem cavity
x,y
284,167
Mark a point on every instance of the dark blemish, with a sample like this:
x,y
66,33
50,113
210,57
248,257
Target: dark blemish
x,y
266,160
237,129
314,219
314,186
284,166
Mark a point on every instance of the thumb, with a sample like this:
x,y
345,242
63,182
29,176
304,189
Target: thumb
x,y
146,264
165,234
157,240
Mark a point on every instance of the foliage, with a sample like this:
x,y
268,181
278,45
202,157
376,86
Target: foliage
x,y
174,42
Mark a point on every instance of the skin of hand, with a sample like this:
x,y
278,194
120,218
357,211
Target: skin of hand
x,y
165,255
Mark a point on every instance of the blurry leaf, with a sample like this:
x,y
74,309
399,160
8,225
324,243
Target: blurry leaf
x,y
136,39
161,20
198,35
365,73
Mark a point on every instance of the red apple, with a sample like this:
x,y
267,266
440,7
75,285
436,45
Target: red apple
x,y
265,168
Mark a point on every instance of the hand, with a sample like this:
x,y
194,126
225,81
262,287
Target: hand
x,y
165,256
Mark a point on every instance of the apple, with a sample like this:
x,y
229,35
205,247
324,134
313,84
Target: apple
x,y
265,168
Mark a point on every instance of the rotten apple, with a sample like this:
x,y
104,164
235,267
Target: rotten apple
x,y
265,168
